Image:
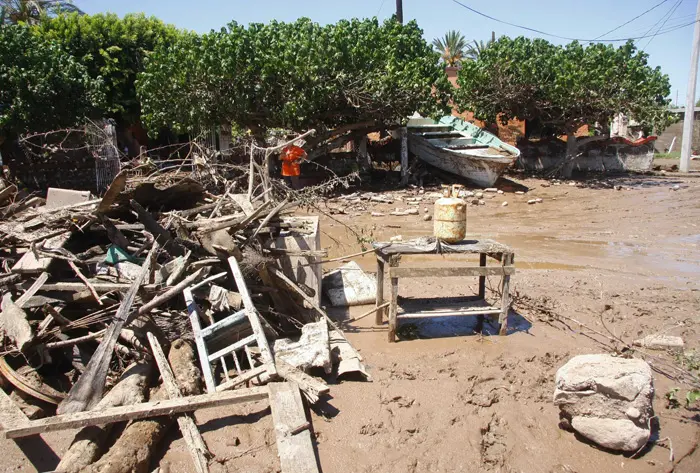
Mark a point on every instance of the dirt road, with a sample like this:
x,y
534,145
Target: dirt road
x,y
625,261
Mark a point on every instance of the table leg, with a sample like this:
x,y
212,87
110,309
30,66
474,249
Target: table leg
x,y
393,307
482,279
505,296
379,318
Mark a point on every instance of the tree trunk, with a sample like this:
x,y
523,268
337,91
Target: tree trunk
x,y
570,158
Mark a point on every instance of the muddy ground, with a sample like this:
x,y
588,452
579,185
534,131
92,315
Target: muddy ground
x,y
627,259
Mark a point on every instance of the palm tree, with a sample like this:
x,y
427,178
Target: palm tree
x,y
32,11
451,47
475,48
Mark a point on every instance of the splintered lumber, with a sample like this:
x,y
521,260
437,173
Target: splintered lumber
x,y
293,443
193,439
89,443
313,388
29,293
87,391
162,235
138,411
170,293
115,188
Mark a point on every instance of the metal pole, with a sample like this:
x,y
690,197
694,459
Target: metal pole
x,y
399,10
687,144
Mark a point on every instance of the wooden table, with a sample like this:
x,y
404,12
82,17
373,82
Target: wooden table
x,y
394,252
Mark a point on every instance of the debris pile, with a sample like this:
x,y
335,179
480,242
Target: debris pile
x,y
167,267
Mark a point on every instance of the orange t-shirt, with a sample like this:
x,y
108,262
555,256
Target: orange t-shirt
x,y
291,155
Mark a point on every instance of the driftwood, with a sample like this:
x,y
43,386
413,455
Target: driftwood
x,y
87,391
89,443
193,439
163,236
14,323
132,451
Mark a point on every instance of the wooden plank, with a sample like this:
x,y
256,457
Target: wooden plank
x,y
193,439
508,260
430,314
293,446
24,298
449,272
232,319
243,378
30,264
138,411
233,347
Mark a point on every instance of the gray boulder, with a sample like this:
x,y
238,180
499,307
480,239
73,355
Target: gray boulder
x,y
607,400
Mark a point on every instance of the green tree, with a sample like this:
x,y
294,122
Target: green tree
x,y
451,47
563,87
33,11
353,75
41,86
114,49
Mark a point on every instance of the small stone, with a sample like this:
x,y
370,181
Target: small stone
x,y
490,189
532,201
468,194
519,193
675,188
538,200
475,201
504,204
572,183
547,184
482,202
479,195
377,214
396,238
413,211
500,191
557,184
427,217
618,188
421,191
426,209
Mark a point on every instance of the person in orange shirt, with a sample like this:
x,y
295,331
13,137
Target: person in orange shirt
x,y
291,169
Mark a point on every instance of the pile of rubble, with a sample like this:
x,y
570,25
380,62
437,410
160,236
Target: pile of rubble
x,y
218,288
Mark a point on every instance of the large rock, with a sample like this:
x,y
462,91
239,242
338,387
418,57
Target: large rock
x,y
607,399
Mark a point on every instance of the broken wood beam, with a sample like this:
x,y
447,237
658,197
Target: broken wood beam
x,y
313,388
193,439
294,445
152,225
29,293
136,411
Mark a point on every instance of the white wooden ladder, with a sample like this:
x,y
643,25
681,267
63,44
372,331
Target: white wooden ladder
x,y
201,335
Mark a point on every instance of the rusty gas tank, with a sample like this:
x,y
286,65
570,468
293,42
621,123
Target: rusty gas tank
x,y
450,216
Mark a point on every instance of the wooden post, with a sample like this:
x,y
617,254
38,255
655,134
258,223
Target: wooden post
x,y
393,308
508,260
379,318
404,157
482,279
365,160
686,145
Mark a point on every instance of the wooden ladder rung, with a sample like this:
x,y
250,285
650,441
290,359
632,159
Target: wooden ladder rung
x,y
229,321
231,348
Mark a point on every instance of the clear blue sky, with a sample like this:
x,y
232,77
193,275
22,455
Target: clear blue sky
x,y
578,19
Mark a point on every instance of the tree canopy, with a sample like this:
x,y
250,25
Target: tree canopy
x,y
563,87
113,49
41,86
293,75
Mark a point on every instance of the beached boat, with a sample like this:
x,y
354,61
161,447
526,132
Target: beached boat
x,y
461,148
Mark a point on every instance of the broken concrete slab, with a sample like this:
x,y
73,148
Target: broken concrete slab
x,y
56,197
660,342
